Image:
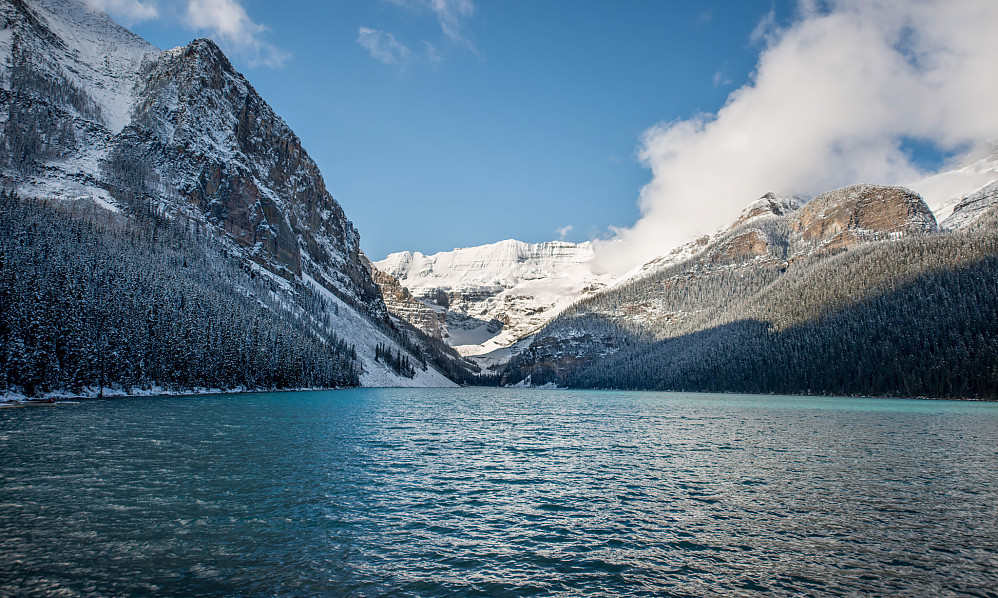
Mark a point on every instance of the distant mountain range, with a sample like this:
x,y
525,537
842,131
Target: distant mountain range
x,y
761,305
164,230
487,298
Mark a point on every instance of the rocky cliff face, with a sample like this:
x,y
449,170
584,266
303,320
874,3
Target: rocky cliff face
x,y
769,204
403,304
202,130
92,111
844,217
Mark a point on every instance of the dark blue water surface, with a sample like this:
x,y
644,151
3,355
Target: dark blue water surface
x,y
499,493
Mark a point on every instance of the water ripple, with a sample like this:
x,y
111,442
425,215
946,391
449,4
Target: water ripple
x,y
499,493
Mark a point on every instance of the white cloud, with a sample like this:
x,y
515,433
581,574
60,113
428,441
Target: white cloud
x,y
128,12
563,232
383,46
451,15
833,97
432,54
721,79
226,17
766,28
228,21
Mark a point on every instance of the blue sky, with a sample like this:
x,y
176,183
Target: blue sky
x,y
452,123
523,121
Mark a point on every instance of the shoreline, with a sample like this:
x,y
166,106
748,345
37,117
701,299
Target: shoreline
x,y
14,400
8,400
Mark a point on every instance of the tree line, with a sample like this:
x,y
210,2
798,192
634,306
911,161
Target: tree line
x,y
90,299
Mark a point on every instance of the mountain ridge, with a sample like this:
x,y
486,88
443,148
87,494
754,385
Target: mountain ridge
x,y
92,113
841,251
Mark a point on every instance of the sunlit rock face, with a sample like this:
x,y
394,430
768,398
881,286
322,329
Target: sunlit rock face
x,y
402,304
841,218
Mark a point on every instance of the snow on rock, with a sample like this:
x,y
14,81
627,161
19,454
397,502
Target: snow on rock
x,y
70,74
97,54
361,332
765,208
943,191
494,295
971,208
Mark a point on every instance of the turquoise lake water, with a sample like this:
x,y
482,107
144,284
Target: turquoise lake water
x,y
485,492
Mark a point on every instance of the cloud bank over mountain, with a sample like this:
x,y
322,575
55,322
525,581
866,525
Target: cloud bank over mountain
x,y
836,98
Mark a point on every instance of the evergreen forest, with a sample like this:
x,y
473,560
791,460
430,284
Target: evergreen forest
x,y
91,299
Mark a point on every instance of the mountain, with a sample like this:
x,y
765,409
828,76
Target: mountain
x,y
857,291
490,297
164,229
404,305
768,205
943,191
972,209
92,113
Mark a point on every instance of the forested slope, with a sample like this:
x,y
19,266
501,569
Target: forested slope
x,y
199,175
936,335
899,314
90,299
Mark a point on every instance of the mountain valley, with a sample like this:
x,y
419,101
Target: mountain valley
x,y
155,204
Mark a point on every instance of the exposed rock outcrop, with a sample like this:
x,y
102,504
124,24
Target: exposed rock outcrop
x,y
769,204
402,304
843,217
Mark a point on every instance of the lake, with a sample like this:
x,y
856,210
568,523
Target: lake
x,y
499,492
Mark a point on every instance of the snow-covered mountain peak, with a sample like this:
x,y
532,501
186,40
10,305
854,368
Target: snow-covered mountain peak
x,y
87,46
505,263
494,295
769,204
91,112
